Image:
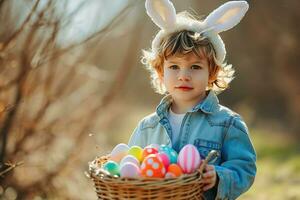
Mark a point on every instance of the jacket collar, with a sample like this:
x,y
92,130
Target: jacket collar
x,y
208,105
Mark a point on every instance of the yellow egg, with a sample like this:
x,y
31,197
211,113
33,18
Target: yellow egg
x,y
137,152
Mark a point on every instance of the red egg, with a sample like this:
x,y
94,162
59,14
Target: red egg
x,y
155,146
148,151
153,167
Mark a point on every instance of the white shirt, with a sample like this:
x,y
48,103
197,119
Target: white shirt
x,y
175,121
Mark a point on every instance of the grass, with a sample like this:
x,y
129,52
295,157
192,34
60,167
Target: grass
x,y
278,164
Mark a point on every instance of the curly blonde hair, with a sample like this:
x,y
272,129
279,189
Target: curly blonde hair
x,y
184,42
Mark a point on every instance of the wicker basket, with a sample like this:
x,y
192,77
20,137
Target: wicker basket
x,y
185,187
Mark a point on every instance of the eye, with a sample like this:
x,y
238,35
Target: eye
x,y
174,67
196,67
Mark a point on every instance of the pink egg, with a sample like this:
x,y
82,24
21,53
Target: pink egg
x,y
189,159
130,170
165,159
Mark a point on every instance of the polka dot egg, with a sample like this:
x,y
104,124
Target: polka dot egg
x,y
155,146
148,151
189,159
153,167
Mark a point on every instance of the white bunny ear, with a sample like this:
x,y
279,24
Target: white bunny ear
x,y
162,13
226,16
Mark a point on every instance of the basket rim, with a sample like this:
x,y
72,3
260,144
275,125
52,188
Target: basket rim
x,y
96,172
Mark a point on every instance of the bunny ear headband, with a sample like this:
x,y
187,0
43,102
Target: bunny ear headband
x,y
163,14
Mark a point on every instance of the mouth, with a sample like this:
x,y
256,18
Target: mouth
x,y
184,88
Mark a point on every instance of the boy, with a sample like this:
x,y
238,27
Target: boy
x,y
186,63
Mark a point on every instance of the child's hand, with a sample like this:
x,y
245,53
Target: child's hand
x,y
209,177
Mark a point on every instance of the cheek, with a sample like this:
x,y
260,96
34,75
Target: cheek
x,y
201,82
201,78
166,79
169,75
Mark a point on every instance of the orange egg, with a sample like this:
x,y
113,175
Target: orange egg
x,y
173,171
152,167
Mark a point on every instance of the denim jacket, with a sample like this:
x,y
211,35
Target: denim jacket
x,y
208,126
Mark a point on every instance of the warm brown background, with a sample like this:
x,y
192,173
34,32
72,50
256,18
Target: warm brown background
x,y
62,103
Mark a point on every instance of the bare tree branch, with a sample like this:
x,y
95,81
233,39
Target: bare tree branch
x,y
42,86
21,80
10,166
20,30
8,85
104,30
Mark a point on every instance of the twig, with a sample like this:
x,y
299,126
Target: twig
x,y
17,33
11,167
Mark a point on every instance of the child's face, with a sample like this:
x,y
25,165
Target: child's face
x,y
186,78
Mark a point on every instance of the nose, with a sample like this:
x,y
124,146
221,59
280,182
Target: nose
x,y
184,75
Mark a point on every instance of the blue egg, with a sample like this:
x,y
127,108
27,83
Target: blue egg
x,y
172,154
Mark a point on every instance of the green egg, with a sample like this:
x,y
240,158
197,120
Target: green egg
x,y
112,167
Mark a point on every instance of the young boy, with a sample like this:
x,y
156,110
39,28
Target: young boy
x,y
186,63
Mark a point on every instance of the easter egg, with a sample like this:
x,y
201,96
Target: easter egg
x,y
172,154
189,159
137,152
155,146
173,171
130,170
148,151
152,167
119,152
130,159
112,168
165,159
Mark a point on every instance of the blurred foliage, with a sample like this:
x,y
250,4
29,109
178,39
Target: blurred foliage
x,y
63,103
278,175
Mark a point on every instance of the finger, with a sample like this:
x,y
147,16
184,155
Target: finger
x,y
209,174
210,168
208,186
208,181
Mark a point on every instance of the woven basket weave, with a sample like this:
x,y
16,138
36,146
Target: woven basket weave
x,y
185,187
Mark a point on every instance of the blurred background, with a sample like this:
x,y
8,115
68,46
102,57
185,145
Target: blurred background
x,y
72,87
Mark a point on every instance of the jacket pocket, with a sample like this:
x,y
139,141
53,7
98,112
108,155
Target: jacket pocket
x,y
205,146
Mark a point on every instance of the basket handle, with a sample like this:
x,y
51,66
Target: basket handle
x,y
211,155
